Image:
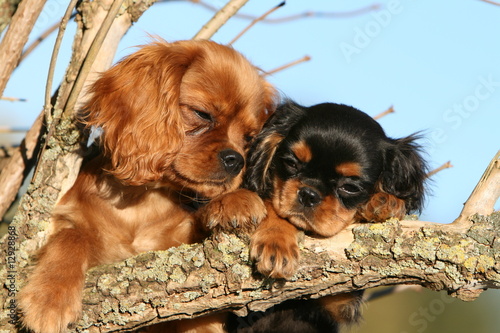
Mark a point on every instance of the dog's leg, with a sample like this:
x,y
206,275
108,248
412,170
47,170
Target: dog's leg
x,y
274,246
52,297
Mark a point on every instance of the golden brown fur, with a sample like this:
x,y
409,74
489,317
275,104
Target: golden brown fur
x,y
177,120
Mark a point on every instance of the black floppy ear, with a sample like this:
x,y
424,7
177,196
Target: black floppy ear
x,y
405,172
258,176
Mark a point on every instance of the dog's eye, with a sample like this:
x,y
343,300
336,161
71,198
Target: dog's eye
x,y
349,189
204,115
248,138
291,165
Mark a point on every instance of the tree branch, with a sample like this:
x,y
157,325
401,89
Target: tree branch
x,y
16,36
59,163
219,19
485,195
194,280
7,10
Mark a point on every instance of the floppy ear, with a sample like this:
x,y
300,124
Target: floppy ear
x,y
405,172
258,176
136,103
400,188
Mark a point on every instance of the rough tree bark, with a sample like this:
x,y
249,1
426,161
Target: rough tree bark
x,y
192,280
59,163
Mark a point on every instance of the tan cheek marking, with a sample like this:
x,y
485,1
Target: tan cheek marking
x,y
302,151
331,217
349,169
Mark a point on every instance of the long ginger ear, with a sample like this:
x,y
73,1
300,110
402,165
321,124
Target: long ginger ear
x,y
136,103
259,167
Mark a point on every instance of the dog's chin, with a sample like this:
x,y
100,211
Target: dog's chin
x,y
300,219
208,187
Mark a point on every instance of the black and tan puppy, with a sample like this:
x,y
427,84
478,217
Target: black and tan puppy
x,y
319,169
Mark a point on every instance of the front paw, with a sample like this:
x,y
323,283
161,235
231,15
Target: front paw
x,y
48,307
381,207
241,210
275,254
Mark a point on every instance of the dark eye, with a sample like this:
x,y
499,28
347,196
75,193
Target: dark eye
x,y
203,115
248,138
291,164
349,189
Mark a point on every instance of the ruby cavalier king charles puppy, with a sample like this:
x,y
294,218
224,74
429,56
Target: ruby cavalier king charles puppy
x,y
177,121
319,169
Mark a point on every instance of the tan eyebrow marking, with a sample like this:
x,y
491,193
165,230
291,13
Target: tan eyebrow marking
x,y
349,169
302,151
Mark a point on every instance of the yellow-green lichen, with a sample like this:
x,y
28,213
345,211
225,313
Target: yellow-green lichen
x,y
243,271
357,251
470,264
484,263
178,275
425,248
456,254
191,295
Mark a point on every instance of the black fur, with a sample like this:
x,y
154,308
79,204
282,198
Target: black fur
x,y
336,134
340,133
296,316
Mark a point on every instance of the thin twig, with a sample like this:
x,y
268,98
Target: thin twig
x,y
260,18
491,2
293,63
385,113
219,19
83,73
13,99
4,129
442,167
40,39
16,37
20,163
300,15
91,55
390,291
50,77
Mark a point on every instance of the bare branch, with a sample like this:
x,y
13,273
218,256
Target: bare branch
x,y
90,58
293,63
390,291
491,2
7,10
300,15
13,99
485,195
50,77
19,164
442,167
219,19
194,280
40,39
16,36
385,113
255,21
4,129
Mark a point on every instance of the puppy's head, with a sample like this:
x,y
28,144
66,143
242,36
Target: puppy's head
x,y
328,165
180,114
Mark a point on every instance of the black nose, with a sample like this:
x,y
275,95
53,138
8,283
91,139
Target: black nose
x,y
309,197
232,161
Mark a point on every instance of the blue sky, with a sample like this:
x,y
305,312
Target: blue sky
x,y
436,62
